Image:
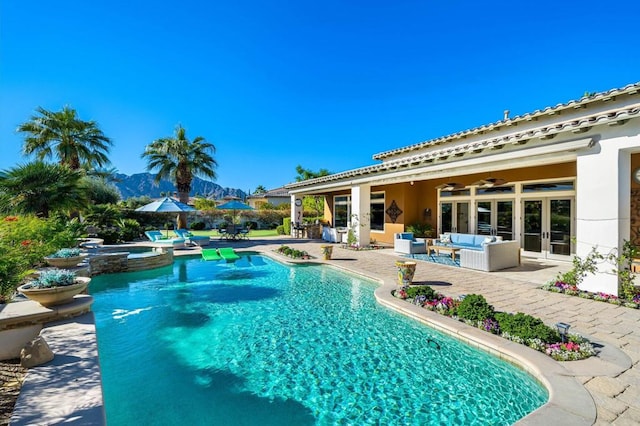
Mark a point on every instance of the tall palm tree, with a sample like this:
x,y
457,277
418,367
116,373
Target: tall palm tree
x,y
62,135
41,188
180,159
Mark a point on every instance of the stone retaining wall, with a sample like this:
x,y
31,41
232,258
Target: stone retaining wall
x,y
107,263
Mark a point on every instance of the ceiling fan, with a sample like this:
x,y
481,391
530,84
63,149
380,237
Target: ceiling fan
x,y
450,186
489,182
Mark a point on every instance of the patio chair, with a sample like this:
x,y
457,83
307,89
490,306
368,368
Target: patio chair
x,y
404,242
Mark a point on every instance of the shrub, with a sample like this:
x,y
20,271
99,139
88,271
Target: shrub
x,y
280,230
286,223
420,230
25,241
423,290
129,230
474,308
526,327
197,226
251,224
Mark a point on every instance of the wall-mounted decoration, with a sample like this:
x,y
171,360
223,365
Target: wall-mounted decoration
x,y
394,211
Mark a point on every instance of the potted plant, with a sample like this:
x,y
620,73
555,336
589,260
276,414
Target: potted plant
x,y
54,287
406,271
326,252
65,258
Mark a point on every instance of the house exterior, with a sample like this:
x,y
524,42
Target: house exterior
x,y
560,181
274,197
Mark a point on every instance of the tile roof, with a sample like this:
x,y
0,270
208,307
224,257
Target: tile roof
x,y
585,100
583,124
277,192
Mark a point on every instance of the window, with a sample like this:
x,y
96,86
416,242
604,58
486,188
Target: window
x,y
377,211
341,210
550,186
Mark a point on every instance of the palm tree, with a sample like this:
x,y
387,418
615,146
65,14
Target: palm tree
x,y
179,159
41,188
74,142
260,190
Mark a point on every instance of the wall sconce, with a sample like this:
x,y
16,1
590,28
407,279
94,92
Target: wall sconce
x,y
563,330
411,183
427,212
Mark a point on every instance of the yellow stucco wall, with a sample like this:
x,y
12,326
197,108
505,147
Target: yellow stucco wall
x,y
414,199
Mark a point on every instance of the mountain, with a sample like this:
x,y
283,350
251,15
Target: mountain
x,y
141,184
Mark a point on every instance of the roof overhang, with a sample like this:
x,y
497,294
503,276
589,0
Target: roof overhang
x,y
541,154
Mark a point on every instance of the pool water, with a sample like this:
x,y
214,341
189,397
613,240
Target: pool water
x,y
258,343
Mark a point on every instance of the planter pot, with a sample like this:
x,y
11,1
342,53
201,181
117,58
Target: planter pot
x,y
65,262
54,296
326,252
406,271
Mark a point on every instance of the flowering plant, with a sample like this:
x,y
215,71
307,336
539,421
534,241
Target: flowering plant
x,y
570,350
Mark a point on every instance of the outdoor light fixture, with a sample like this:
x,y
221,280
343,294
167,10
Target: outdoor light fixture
x,y
563,329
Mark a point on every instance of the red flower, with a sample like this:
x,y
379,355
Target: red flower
x,y
11,218
25,243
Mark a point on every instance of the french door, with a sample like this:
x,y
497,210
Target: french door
x,y
548,227
454,217
495,217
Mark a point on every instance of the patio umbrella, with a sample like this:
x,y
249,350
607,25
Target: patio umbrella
x,y
166,205
234,205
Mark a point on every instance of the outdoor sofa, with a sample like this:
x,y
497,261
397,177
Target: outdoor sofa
x,y
482,252
160,238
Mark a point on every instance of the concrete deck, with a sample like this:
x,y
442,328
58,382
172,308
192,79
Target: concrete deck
x,y
603,390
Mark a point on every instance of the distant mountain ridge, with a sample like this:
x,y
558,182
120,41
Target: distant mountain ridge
x,y
141,184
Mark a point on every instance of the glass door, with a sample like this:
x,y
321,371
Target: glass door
x,y
532,227
495,217
454,217
548,227
560,221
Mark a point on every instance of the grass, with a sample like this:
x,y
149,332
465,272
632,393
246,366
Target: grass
x,y
253,233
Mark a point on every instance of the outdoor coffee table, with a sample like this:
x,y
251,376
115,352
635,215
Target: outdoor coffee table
x,y
437,249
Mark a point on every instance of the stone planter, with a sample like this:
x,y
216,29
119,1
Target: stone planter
x,y
65,262
326,252
54,296
406,271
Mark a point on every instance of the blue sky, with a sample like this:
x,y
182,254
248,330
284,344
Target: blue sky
x,y
321,84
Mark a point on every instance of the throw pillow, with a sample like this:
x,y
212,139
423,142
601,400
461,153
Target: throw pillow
x,y
488,240
445,238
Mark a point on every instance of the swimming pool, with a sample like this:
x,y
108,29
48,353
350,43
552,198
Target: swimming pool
x,y
257,342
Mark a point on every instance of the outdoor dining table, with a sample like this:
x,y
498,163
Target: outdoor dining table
x,y
233,233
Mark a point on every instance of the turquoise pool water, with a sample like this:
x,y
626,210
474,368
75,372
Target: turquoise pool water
x,y
259,343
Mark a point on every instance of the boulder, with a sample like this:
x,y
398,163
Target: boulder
x,y
36,352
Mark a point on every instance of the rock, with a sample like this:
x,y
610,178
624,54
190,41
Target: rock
x,y
36,352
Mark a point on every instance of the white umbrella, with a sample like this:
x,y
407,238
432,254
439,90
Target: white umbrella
x,y
166,205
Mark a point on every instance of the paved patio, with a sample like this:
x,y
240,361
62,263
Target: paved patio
x,y
612,380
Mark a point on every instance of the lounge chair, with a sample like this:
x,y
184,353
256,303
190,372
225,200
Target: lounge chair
x,y
210,254
228,253
159,238
198,240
